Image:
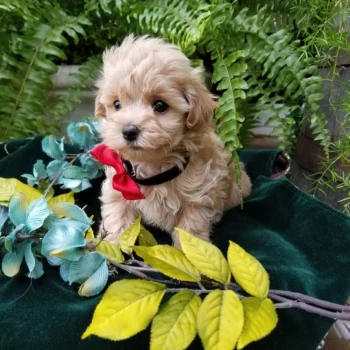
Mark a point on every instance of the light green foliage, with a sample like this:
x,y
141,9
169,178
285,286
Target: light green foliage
x,y
36,33
259,68
259,71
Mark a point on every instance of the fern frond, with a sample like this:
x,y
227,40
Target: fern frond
x,y
26,71
280,79
179,21
228,72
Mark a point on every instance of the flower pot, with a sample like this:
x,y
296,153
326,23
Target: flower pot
x,y
309,153
62,81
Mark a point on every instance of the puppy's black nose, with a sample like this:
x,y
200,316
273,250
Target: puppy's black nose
x,y
130,132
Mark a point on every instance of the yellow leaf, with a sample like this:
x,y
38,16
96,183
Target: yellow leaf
x,y
248,271
63,198
8,187
170,261
205,256
127,307
129,236
220,320
109,250
260,319
146,238
174,327
89,234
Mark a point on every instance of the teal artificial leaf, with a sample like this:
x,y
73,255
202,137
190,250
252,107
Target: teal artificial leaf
x,y
51,221
29,256
64,270
72,184
75,172
81,134
54,168
70,235
39,170
4,214
31,180
85,184
38,270
71,211
12,261
18,208
91,271
37,212
10,239
35,266
85,267
53,148
90,165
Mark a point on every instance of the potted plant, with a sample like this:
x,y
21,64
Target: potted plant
x,y
262,73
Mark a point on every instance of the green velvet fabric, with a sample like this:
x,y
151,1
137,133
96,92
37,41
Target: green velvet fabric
x,y
303,244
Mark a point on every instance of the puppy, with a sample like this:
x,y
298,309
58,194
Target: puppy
x,y
157,114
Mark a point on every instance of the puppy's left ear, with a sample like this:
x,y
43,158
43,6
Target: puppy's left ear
x,y
100,110
202,104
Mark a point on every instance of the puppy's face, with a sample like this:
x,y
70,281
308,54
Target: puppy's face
x,y
149,98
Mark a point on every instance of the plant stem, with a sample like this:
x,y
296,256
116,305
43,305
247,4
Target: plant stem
x,y
284,299
345,316
142,268
59,174
131,269
197,291
311,300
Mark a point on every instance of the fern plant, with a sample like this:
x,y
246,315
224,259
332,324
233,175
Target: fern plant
x,y
257,68
26,68
252,64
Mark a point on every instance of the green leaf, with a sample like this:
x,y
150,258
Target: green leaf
x,y
54,51
174,327
206,257
128,238
127,307
220,320
260,319
169,261
107,249
248,271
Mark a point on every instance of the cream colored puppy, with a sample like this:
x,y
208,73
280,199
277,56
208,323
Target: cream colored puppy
x,y
157,114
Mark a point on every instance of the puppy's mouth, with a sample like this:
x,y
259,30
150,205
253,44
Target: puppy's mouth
x,y
135,147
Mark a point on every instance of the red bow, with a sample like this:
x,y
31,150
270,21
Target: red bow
x,y
122,182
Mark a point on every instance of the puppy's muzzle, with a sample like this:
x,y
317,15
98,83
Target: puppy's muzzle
x,y
130,132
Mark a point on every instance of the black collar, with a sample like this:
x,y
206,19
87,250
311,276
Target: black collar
x,y
158,179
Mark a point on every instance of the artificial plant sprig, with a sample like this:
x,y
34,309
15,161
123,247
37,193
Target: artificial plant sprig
x,y
187,277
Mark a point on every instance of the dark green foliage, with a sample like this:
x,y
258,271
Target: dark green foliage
x,y
27,63
257,69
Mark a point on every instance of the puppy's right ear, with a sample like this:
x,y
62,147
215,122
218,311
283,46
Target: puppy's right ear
x,y
100,110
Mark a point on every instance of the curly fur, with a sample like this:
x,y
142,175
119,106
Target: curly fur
x,y
138,73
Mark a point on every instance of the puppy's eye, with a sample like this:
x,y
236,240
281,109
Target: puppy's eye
x,y
160,106
117,105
